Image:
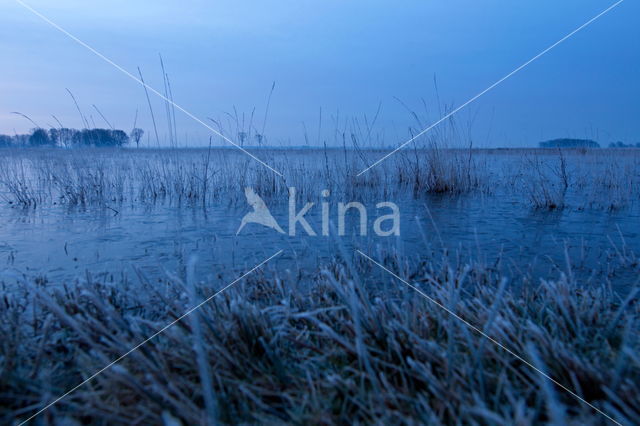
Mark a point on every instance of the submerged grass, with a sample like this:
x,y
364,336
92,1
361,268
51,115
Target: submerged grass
x,y
326,348
545,179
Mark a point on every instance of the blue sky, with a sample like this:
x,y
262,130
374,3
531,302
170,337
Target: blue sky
x,y
344,58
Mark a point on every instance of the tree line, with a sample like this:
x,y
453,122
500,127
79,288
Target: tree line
x,y
69,138
583,143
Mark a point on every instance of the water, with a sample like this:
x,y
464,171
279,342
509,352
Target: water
x,y
155,240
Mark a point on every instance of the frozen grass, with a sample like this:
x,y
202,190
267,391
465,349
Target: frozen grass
x,y
325,349
545,179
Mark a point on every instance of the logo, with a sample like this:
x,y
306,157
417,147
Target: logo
x,y
383,226
260,213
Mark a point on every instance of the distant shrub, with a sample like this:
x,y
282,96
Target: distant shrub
x,y
570,143
620,144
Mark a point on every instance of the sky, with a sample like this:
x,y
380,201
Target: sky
x,y
339,67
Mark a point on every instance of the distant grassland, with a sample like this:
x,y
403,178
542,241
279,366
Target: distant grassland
x,y
542,178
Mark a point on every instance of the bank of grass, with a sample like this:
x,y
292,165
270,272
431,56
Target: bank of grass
x,y
332,347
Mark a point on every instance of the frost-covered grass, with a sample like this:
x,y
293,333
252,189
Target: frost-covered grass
x,y
346,344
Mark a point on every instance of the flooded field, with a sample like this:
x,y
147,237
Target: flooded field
x,y
314,301
60,218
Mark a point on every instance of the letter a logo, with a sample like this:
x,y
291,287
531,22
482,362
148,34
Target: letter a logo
x,y
260,213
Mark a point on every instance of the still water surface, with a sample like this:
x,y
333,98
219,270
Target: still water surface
x,y
62,244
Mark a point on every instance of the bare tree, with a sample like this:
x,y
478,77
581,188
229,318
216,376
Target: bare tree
x,y
136,135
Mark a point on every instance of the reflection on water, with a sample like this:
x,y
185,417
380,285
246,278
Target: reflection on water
x,y
62,244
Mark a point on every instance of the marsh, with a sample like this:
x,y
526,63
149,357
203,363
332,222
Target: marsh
x,y
101,248
109,211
